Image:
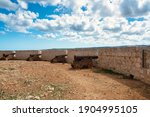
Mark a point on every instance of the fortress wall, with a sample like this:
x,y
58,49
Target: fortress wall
x,y
127,60
81,52
23,55
48,55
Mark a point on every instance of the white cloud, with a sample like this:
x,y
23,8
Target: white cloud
x,y
47,36
105,8
135,8
72,22
20,22
102,23
23,4
87,29
129,8
42,2
114,24
97,7
7,4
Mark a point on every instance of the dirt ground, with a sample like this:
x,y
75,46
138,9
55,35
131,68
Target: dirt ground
x,y
21,80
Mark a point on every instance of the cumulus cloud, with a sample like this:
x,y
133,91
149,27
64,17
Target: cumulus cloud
x,y
102,22
42,2
47,36
114,24
87,29
20,22
98,7
135,8
7,4
71,25
23,4
101,8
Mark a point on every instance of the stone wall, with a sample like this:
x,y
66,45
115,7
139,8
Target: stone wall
x,y
127,60
48,55
81,52
23,55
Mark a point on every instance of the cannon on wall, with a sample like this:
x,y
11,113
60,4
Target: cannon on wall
x,y
10,56
82,62
59,59
34,57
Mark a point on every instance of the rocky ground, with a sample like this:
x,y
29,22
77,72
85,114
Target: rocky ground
x,y
43,80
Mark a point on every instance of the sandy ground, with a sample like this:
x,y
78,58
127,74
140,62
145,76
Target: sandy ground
x,y
43,80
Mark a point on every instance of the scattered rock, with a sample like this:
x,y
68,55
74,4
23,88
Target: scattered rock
x,y
28,82
30,97
37,98
49,88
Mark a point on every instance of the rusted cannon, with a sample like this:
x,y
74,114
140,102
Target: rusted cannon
x,y
10,56
34,57
59,59
82,62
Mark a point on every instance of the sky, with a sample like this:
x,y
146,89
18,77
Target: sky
x,y
47,24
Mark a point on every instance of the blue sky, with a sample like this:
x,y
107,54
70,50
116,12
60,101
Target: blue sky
x,y
32,24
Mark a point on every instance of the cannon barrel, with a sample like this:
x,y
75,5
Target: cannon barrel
x,y
81,62
10,56
34,57
59,59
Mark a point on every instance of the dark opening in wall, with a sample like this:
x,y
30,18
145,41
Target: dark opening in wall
x,y
131,76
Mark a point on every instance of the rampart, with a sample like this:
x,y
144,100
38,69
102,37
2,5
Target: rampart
x,y
24,54
48,55
130,61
